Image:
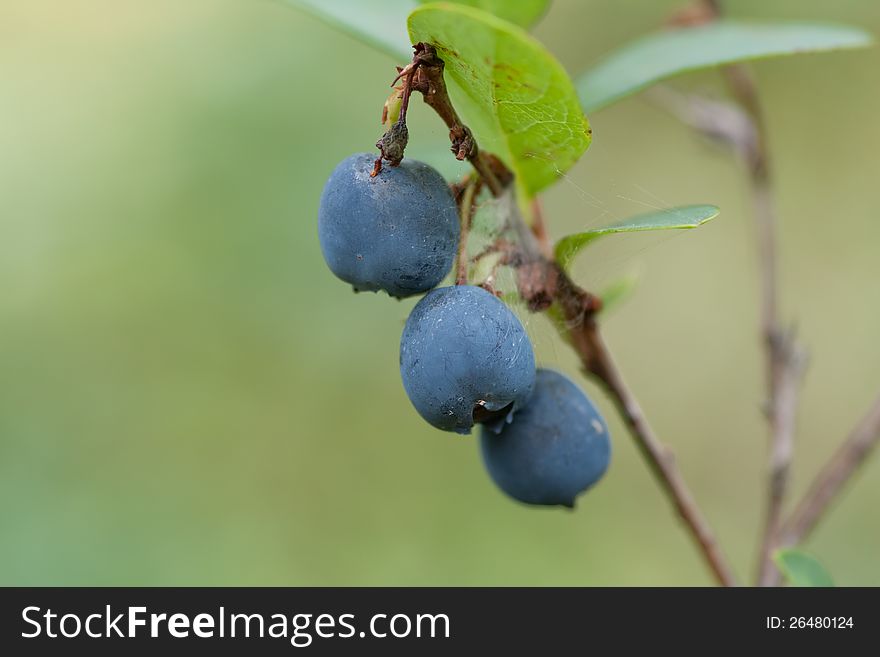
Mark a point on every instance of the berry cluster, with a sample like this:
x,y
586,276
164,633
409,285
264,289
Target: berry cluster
x,y
465,358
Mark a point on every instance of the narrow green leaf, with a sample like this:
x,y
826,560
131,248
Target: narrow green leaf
x,y
801,569
381,25
684,217
522,12
514,95
650,59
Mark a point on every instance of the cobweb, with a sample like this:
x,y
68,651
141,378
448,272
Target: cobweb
x,y
598,267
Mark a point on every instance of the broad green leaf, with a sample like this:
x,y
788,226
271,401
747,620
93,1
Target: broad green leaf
x,y
619,291
650,59
684,217
801,569
522,12
512,93
381,25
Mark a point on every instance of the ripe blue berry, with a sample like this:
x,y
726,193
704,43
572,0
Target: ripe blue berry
x,y
396,232
556,447
465,357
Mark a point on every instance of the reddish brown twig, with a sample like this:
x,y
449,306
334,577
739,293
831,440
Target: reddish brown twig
x,y
539,229
595,355
542,282
425,75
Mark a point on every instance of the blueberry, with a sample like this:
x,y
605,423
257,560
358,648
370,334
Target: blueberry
x,y
396,232
465,358
556,447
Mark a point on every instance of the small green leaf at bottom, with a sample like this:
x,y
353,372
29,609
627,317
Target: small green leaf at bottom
x,y
801,569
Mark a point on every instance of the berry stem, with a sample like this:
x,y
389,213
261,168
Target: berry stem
x,y
466,214
425,75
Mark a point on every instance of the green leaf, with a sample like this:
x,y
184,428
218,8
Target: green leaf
x,y
522,12
684,217
650,59
512,93
381,25
801,569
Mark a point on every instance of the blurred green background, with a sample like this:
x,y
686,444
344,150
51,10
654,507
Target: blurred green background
x,y
187,395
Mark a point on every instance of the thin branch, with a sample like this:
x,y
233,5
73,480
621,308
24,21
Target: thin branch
x,y
661,460
466,214
736,127
588,343
833,477
430,82
784,358
722,122
541,279
739,127
539,230
783,422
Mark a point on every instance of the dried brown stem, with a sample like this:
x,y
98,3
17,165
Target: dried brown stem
x,y
466,213
744,130
785,362
783,422
784,358
833,477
